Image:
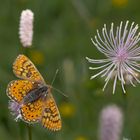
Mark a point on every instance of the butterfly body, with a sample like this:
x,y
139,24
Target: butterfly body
x,y
33,96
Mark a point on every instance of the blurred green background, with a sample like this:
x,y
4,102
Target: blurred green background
x,y
62,32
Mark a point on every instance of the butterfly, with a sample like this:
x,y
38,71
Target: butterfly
x,y
33,95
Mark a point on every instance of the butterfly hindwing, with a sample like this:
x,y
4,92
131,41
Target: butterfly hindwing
x,y
25,69
32,112
51,118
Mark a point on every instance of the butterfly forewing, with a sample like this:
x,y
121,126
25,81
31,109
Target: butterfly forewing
x,y
18,89
25,69
51,118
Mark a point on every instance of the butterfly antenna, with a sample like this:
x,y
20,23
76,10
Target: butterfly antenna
x,y
54,77
59,91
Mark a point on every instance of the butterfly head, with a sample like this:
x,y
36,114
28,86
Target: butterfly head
x,y
49,88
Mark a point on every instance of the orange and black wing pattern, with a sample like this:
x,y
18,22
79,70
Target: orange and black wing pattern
x,y
51,118
25,69
18,89
42,109
32,112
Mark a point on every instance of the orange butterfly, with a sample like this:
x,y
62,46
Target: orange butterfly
x,y
31,96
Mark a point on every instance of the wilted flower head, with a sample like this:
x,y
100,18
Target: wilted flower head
x,y
15,109
128,77
26,28
111,120
122,53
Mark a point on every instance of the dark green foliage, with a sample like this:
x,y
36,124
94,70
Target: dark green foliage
x,y
62,32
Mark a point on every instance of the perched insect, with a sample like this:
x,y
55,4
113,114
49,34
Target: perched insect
x,y
32,96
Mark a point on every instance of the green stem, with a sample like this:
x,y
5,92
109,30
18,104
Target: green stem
x,y
125,102
125,99
21,130
29,132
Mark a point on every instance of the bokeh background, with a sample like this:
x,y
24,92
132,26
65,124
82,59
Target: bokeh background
x,y
62,32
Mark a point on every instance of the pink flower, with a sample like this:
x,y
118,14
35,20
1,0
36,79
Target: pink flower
x,y
111,121
14,107
122,53
26,28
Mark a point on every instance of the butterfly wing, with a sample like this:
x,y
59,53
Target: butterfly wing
x,y
18,89
51,118
32,112
25,69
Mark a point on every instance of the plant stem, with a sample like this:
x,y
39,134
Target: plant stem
x,y
21,130
125,103
29,132
125,99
